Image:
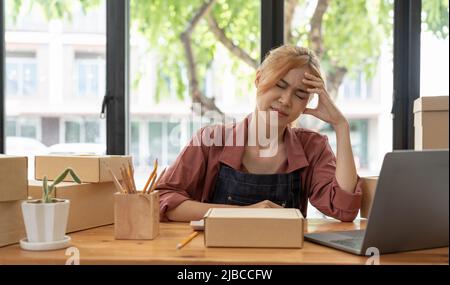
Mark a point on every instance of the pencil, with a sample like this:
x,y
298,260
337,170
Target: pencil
x,y
157,181
131,177
186,240
116,181
155,167
125,180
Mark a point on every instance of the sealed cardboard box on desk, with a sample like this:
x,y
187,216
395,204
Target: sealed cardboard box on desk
x,y
89,168
253,227
431,123
13,189
91,204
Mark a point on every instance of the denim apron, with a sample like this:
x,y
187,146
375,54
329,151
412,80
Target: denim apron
x,y
239,188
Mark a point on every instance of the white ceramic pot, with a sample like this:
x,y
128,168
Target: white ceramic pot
x,y
45,222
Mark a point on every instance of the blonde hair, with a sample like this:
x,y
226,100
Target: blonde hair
x,y
279,61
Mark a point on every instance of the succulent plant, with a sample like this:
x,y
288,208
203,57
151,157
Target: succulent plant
x,y
48,189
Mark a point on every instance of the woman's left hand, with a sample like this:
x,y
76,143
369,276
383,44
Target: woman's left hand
x,y
326,110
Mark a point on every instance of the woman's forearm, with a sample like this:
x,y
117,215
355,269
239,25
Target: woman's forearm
x,y
345,164
191,210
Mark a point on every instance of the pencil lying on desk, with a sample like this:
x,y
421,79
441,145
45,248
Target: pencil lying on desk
x,y
186,240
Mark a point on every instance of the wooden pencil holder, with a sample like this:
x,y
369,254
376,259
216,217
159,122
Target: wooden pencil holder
x,y
136,216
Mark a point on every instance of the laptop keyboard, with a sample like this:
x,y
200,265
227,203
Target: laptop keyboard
x,y
351,242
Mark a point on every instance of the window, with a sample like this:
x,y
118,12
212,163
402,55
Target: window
x,y
18,127
54,76
358,69
134,137
72,132
155,141
11,128
225,45
434,49
82,131
21,75
358,87
173,141
90,68
92,131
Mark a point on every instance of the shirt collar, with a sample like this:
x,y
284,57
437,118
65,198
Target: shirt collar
x,y
232,155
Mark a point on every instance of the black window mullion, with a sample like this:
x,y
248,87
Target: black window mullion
x,y
407,23
117,107
272,25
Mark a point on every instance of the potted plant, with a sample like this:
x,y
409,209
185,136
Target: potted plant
x,y
46,219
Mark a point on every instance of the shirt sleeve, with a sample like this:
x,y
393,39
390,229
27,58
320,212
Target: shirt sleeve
x,y
183,179
324,191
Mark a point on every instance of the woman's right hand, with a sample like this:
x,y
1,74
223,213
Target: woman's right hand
x,y
264,204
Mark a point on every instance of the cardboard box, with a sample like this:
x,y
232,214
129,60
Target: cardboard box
x,y
369,185
13,178
12,228
431,123
253,227
136,216
89,168
91,205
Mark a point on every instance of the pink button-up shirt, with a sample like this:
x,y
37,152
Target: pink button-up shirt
x,y
193,174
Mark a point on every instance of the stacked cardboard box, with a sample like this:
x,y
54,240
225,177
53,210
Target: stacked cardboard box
x,y
92,202
13,190
431,123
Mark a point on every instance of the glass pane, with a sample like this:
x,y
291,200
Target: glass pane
x,y
354,46
174,139
29,78
226,53
73,130
155,142
42,50
11,128
92,132
12,79
434,49
134,146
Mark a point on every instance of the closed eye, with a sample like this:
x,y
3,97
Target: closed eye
x,y
302,95
281,85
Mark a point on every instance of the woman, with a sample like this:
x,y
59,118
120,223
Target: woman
x,y
301,166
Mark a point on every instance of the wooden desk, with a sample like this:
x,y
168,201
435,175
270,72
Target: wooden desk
x,y
98,246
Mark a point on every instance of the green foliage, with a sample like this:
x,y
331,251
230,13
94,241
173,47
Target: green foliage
x,y
353,31
48,189
52,9
163,21
435,15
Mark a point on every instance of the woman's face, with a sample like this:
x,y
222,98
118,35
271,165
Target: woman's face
x,y
288,97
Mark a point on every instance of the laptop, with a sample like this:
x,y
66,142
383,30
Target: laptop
x,y
409,210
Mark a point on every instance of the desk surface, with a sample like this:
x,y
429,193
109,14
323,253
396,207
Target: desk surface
x,y
98,246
